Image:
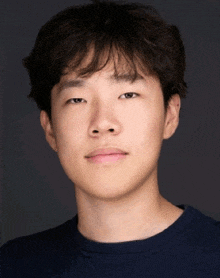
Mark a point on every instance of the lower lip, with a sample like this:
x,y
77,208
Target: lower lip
x,y
106,158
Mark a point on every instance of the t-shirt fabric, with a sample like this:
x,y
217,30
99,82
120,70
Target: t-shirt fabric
x,y
190,247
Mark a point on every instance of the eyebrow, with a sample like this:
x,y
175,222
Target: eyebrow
x,y
77,83
126,78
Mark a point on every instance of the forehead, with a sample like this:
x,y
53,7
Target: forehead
x,y
123,66
72,80
110,64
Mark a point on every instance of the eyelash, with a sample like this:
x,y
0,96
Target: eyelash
x,y
70,100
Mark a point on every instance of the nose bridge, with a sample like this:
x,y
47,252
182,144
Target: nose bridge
x,y
103,116
102,109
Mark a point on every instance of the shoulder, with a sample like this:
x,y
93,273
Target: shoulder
x,y
50,240
195,245
37,254
202,232
49,237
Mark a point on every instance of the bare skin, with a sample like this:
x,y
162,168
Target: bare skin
x,y
119,201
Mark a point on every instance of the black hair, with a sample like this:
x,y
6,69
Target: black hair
x,y
130,33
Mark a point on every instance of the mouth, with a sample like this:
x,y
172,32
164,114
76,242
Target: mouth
x,y
107,151
107,158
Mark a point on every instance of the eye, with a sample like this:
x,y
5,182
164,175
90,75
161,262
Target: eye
x,y
130,94
74,100
79,100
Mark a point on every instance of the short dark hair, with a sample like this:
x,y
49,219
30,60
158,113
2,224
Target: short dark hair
x,y
134,32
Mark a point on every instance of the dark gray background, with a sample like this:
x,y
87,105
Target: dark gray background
x,y
37,195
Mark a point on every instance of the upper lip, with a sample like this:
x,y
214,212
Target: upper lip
x,y
105,152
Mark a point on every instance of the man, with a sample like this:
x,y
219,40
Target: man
x,y
108,79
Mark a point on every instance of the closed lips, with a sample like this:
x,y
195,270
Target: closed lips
x,y
108,151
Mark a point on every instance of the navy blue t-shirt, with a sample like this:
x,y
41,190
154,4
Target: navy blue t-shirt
x,y
190,247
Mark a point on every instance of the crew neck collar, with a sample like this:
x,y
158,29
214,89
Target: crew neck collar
x,y
154,243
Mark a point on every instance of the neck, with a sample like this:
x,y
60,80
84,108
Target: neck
x,y
135,217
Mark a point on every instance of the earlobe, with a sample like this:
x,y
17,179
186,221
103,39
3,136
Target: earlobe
x,y
48,129
172,116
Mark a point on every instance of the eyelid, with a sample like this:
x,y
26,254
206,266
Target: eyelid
x,y
131,93
69,100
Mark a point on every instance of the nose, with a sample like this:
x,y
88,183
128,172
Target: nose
x,y
99,131
104,121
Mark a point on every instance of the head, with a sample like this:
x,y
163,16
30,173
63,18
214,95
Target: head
x,y
95,54
129,35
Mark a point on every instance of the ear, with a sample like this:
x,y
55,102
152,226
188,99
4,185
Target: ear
x,y
172,116
48,129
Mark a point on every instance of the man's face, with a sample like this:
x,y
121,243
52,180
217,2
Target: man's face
x,y
124,115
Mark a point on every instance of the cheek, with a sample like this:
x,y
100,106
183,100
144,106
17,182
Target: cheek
x,y
145,125
68,134
68,125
